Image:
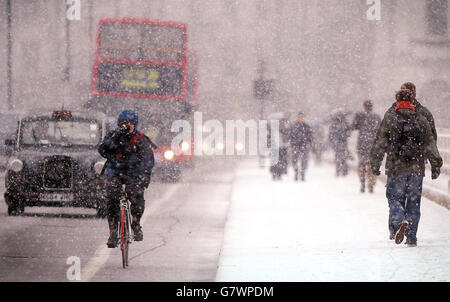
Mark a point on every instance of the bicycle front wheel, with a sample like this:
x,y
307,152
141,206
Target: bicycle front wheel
x,y
124,234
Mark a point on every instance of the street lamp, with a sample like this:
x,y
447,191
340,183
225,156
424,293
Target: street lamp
x,y
9,55
262,88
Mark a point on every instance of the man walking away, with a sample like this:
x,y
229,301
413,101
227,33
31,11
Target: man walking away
x,y
318,144
338,135
367,124
406,136
300,140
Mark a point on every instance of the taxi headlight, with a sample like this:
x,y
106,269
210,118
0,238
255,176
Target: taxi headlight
x,y
16,165
98,167
168,155
185,146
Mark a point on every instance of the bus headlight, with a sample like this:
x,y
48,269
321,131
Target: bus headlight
x,y
220,146
185,146
16,165
168,155
239,146
98,167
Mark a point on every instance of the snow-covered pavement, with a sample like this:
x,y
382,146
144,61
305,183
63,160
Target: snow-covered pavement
x,y
324,230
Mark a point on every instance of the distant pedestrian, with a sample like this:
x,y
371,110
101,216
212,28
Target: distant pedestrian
x,y
279,167
319,143
338,135
367,123
407,138
301,141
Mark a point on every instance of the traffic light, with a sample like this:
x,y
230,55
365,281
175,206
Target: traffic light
x,y
262,88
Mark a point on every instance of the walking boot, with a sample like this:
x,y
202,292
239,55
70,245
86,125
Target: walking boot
x,y
411,242
400,234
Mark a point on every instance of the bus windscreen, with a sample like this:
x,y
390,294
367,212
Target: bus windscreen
x,y
162,80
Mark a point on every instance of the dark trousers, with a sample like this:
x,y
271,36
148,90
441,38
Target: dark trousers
x,y
364,171
300,155
341,162
135,192
281,166
404,192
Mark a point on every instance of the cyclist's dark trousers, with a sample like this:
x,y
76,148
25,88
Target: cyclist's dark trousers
x,y
135,192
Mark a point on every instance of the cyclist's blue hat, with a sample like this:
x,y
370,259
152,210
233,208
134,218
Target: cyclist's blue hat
x,y
128,115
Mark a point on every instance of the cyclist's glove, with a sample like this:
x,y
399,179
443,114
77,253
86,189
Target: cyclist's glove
x,y
120,132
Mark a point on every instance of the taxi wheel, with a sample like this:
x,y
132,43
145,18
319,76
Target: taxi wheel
x,y
14,211
15,208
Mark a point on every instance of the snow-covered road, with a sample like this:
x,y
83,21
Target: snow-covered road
x,y
324,230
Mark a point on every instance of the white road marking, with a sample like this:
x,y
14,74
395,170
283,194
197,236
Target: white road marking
x,y
102,253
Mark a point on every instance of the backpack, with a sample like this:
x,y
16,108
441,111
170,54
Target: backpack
x,y
409,138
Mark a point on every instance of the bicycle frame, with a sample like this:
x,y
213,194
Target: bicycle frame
x,y
125,234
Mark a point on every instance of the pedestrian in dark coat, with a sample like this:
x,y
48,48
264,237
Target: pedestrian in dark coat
x,y
406,137
338,135
319,143
301,139
367,124
130,161
279,167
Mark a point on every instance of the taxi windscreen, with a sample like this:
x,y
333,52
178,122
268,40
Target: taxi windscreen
x,y
60,133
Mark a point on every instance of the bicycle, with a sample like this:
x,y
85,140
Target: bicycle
x,y
125,235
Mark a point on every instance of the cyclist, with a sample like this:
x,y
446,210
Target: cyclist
x,y
130,161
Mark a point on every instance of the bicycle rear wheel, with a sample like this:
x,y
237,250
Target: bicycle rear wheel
x,y
124,234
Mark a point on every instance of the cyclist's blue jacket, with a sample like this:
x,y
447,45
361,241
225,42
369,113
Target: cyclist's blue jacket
x,y
128,154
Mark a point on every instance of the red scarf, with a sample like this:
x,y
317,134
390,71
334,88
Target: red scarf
x,y
405,105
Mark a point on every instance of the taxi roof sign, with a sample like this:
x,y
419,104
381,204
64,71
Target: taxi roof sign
x,y
62,114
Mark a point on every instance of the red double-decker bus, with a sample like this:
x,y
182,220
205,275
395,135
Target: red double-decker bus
x,y
140,59
145,65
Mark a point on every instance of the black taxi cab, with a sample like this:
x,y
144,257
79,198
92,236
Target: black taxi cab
x,y
54,162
